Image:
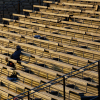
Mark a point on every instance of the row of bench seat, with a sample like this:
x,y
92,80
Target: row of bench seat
x,y
78,26
21,74
65,46
33,68
62,52
68,57
73,39
68,11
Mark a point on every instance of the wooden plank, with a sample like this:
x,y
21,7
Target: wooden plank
x,y
19,15
91,12
48,2
42,69
77,4
8,91
38,6
39,12
37,18
87,18
3,78
80,24
64,29
31,76
63,9
3,93
91,0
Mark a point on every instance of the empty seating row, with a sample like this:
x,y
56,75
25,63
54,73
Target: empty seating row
x,y
69,4
84,85
68,11
84,27
80,41
84,19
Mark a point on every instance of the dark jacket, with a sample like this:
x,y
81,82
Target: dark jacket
x,y
16,55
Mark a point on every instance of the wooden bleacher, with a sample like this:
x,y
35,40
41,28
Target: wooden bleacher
x,y
70,39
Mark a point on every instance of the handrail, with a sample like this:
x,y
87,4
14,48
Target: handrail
x,y
36,88
94,98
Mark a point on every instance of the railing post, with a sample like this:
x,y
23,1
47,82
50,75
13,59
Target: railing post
x,y
99,79
19,6
28,96
64,86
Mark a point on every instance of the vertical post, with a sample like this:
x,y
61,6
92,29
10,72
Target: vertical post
x,y
3,8
64,86
99,79
28,96
19,6
39,2
32,4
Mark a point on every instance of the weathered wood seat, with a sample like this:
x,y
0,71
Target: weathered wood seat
x,y
12,85
36,18
70,30
91,12
71,93
43,72
3,95
91,0
54,52
57,28
76,4
79,24
84,85
69,4
92,20
16,21
63,9
61,54
8,91
92,74
49,2
38,6
52,60
46,13
33,80
86,26
6,70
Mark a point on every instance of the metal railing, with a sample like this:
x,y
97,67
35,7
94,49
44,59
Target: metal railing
x,y
54,81
95,98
